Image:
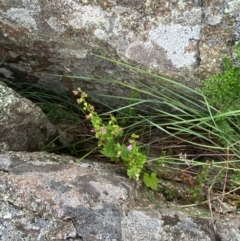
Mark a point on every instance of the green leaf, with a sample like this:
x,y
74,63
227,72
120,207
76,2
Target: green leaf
x,y
109,150
150,180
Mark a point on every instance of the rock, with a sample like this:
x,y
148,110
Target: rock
x,y
185,40
23,125
45,197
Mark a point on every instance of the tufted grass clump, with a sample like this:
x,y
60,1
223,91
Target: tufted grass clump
x,y
184,134
165,131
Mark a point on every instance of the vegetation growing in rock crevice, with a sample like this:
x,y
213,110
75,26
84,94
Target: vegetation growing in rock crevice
x,y
208,124
193,140
108,135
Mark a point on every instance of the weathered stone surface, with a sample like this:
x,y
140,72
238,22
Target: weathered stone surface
x,y
182,39
44,197
23,125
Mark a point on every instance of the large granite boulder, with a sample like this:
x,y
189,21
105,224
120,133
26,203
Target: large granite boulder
x,y
23,125
182,39
45,197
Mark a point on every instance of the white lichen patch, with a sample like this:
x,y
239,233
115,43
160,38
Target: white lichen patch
x,y
5,162
32,5
21,17
139,226
148,3
79,53
214,19
88,17
182,4
101,34
233,8
192,17
175,39
6,98
56,24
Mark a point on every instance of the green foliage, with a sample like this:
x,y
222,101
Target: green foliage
x,y
222,92
3,59
195,120
227,131
134,96
151,180
188,121
223,89
108,140
197,190
235,179
170,193
197,193
165,155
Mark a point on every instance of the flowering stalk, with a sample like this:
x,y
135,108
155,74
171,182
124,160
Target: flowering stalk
x,y
107,136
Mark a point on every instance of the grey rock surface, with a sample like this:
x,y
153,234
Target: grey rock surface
x,y
45,197
184,39
23,125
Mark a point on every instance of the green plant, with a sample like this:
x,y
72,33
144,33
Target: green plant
x,y
108,136
3,59
235,179
151,180
178,118
222,91
201,182
130,113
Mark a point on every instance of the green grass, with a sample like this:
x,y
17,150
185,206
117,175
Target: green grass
x,y
173,116
182,132
179,114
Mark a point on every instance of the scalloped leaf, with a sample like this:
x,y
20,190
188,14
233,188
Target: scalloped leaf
x,y
151,180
